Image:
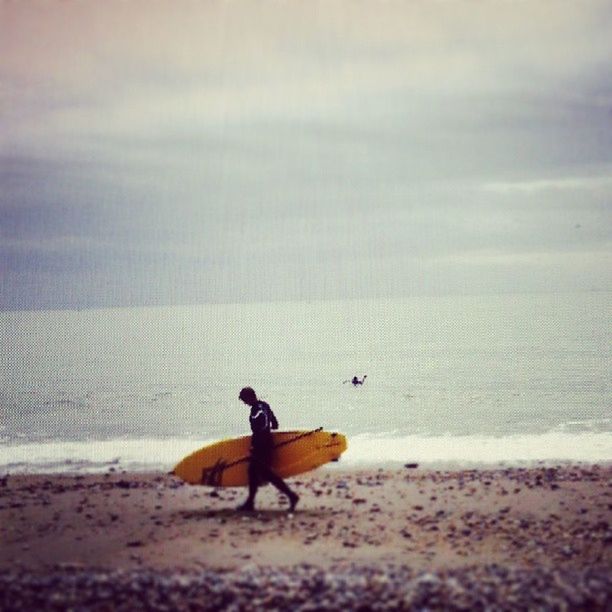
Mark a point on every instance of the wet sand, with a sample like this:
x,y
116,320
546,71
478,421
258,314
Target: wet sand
x,y
406,537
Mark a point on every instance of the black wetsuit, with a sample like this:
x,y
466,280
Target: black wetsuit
x,y
263,422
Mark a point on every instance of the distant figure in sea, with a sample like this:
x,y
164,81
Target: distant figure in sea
x,y
355,381
262,421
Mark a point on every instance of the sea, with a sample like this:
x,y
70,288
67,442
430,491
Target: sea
x,y
461,381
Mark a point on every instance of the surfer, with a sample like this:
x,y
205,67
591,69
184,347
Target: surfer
x,y
355,381
262,446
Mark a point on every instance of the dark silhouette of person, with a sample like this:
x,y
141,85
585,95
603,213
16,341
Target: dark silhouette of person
x,y
262,421
355,381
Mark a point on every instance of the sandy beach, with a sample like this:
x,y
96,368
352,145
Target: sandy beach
x,y
406,537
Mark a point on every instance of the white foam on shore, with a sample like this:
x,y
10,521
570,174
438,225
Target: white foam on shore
x,y
97,456
552,446
363,451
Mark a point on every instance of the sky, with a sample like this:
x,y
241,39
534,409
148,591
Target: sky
x,y
234,151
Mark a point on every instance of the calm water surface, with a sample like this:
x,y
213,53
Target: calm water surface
x,y
504,378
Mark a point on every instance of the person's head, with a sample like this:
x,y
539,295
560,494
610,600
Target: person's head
x,y
247,395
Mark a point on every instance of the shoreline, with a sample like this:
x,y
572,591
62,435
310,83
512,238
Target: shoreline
x,y
365,451
84,468
411,522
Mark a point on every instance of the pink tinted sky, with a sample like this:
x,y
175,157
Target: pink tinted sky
x,y
288,150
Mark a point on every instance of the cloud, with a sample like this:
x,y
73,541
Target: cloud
x,y
123,69
223,150
564,183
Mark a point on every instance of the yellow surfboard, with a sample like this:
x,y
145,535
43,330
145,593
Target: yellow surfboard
x,y
225,463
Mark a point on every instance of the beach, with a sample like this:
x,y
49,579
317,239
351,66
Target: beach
x,y
406,537
390,221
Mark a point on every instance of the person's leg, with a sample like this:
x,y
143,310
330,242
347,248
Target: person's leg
x,y
254,479
281,485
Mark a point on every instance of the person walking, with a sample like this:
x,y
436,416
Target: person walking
x,y
262,422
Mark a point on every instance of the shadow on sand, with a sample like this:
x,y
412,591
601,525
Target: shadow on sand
x,y
265,515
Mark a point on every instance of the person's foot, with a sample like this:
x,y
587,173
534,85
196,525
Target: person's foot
x,y
294,498
246,507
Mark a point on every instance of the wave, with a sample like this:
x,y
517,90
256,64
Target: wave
x,y
96,455
364,450
480,449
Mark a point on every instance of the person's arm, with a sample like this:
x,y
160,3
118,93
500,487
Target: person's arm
x,y
273,421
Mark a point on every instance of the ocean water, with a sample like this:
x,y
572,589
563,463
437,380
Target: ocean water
x,y
460,379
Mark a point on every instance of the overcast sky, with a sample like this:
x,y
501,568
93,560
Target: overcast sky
x,y
168,153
